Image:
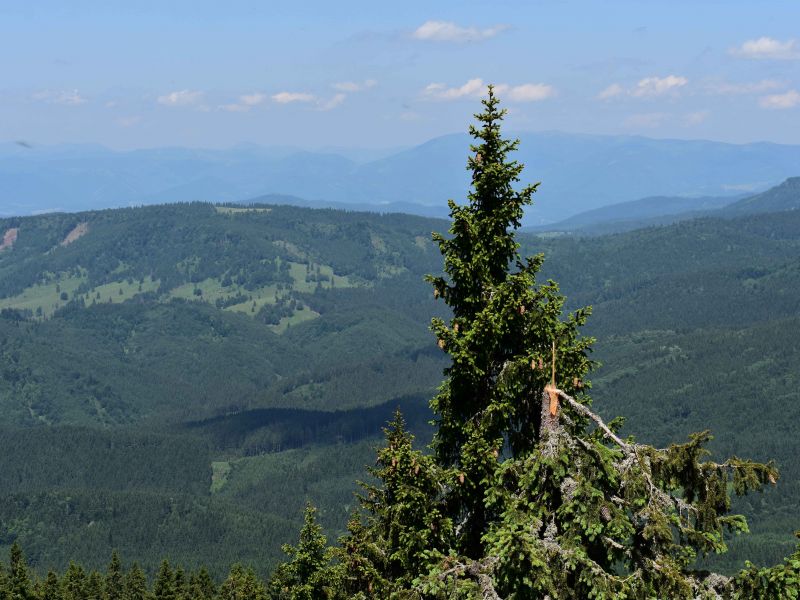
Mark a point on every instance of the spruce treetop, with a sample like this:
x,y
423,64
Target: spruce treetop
x,y
506,331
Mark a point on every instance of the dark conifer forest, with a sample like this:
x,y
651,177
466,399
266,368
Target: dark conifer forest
x,y
190,393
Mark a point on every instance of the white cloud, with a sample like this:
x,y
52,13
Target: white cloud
x,y
66,97
644,88
778,101
180,98
354,86
658,86
736,89
767,48
333,102
246,102
474,88
253,99
290,97
527,92
308,98
611,91
447,31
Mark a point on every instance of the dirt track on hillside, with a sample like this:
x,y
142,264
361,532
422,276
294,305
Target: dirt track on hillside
x,y
9,238
80,230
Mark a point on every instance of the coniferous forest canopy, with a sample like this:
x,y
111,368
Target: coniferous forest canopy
x,y
176,382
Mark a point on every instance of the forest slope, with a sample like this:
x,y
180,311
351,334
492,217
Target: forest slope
x,y
259,349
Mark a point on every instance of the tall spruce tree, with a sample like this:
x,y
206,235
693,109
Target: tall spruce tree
x,y
51,587
135,587
18,584
95,586
201,585
73,584
534,495
501,336
164,584
115,581
306,576
405,529
242,584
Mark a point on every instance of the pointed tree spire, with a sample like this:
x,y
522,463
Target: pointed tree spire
x,y
19,583
136,584
115,583
164,584
307,573
505,331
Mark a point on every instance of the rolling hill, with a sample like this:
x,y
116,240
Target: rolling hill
x,y
177,380
627,216
658,210
785,196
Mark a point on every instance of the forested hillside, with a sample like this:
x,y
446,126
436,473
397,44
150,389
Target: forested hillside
x,y
658,211
176,381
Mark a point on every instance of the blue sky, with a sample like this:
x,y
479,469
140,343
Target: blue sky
x,y
372,74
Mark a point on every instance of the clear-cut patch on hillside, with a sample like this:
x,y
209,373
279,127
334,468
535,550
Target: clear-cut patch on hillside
x,y
79,231
9,237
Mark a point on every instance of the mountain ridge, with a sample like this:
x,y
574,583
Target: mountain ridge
x,y
660,210
580,172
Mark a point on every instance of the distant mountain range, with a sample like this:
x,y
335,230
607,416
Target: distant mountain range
x,y
578,172
660,210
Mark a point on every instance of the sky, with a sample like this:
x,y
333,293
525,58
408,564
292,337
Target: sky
x,y
353,74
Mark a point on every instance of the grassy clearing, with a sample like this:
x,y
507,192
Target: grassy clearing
x,y
327,277
258,298
299,316
269,294
219,475
210,290
119,291
43,299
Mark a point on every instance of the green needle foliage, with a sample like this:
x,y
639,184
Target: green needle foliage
x,y
115,583
503,325
164,586
304,577
51,588
528,492
135,584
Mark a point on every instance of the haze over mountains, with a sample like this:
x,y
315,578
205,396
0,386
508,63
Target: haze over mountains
x,y
579,173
